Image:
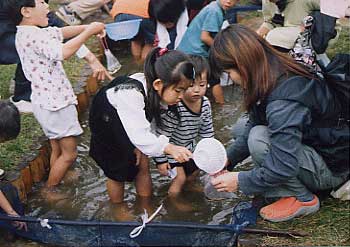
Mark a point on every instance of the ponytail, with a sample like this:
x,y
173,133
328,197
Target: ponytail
x,y
170,67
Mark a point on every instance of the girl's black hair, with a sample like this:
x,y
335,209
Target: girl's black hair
x,y
14,7
10,123
200,65
170,68
166,10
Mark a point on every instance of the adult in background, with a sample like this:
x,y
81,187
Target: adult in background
x,y
77,11
283,19
298,145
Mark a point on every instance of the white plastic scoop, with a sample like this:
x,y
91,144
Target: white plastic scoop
x,y
210,155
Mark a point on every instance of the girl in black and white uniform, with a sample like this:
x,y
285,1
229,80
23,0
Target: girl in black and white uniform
x,y
122,115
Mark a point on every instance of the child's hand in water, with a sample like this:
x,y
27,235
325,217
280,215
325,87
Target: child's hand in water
x,y
163,169
96,28
180,154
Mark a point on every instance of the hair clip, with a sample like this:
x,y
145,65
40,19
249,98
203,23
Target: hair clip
x,y
194,73
162,51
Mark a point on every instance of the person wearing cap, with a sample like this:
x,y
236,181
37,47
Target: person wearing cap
x,y
9,129
283,19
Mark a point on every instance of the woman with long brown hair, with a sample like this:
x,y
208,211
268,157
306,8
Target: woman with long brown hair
x,y
292,134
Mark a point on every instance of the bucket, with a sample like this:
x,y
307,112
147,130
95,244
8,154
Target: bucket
x,y
123,30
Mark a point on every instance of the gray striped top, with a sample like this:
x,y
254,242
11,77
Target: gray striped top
x,y
184,131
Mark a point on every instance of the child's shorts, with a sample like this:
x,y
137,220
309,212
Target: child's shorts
x,y
60,123
189,167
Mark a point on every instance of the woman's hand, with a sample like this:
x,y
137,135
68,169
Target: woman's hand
x,y
180,154
163,169
226,182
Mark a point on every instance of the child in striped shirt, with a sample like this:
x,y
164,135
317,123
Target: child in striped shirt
x,y
184,123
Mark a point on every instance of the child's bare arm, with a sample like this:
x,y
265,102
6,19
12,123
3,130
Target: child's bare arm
x,y
6,206
74,44
72,31
206,38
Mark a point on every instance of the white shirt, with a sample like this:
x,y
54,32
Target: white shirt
x,y
41,53
130,105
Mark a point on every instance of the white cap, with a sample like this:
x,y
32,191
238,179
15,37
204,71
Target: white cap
x,y
210,155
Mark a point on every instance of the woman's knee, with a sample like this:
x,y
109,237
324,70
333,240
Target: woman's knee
x,y
70,157
239,126
258,142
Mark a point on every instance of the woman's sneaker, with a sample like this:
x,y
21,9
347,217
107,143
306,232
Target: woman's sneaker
x,y
70,18
288,208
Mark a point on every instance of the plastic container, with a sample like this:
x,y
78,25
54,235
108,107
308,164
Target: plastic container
x,y
210,155
123,30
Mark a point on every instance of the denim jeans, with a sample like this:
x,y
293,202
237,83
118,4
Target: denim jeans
x,y
314,174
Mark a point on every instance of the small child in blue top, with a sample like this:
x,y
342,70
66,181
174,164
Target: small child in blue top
x,y
186,122
200,35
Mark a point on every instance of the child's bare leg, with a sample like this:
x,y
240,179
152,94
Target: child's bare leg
x,y
191,182
145,50
218,94
122,212
193,177
178,182
115,190
55,151
143,181
136,50
68,146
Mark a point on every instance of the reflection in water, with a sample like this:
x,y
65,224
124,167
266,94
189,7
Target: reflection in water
x,y
88,199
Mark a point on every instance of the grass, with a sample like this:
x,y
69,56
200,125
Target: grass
x,y
343,43
13,152
6,74
328,227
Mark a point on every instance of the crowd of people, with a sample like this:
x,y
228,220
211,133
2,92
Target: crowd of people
x,y
163,111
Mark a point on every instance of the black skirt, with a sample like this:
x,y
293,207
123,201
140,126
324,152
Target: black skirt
x,y
110,146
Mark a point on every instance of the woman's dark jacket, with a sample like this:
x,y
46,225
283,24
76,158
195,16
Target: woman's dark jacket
x,y
298,111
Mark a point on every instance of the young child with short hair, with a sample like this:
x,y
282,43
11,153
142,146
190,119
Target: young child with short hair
x,y
200,36
41,51
188,121
10,125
